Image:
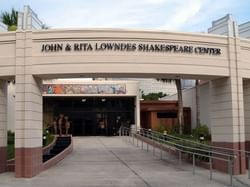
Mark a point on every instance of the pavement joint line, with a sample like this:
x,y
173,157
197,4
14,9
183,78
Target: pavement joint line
x,y
125,164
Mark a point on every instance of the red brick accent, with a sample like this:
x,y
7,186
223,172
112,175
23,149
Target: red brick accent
x,y
10,167
247,147
239,163
28,162
3,159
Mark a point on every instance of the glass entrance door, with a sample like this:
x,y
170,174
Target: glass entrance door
x,y
101,124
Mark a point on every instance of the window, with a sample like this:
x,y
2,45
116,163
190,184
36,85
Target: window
x,y
166,115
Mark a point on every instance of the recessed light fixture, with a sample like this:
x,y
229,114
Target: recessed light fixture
x,y
84,100
103,99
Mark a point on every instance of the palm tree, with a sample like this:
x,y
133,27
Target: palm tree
x,y
180,101
10,19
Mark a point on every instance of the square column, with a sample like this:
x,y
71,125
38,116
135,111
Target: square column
x,y
246,91
3,125
28,138
227,120
28,102
137,113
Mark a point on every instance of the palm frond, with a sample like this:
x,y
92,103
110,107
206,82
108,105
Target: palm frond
x,y
9,18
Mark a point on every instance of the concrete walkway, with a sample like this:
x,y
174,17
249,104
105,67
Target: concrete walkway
x,y
111,161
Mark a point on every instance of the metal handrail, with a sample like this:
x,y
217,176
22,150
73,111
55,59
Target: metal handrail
x,y
194,151
222,149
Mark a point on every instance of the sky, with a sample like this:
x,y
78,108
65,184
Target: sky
x,y
173,15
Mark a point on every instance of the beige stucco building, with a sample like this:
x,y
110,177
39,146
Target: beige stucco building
x,y
31,56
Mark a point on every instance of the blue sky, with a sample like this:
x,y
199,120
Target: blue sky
x,y
176,15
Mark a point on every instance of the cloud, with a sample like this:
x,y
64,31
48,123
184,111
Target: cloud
x,y
188,15
155,1
183,11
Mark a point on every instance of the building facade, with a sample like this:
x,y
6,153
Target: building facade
x,y
31,56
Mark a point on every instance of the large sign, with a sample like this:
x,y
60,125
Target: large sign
x,y
129,47
84,89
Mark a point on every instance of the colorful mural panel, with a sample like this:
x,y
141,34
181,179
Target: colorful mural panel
x,y
56,89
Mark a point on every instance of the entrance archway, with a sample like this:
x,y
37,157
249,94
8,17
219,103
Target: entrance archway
x,y
33,56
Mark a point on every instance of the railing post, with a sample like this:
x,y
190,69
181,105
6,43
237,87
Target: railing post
x,y
248,156
142,143
210,168
193,164
137,139
133,138
153,138
161,149
147,146
179,156
129,135
230,167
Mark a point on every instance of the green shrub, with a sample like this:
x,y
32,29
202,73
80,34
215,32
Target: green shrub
x,y
11,137
160,128
153,96
10,151
201,130
174,130
11,144
47,137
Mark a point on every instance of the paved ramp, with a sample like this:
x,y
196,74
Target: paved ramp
x,y
111,161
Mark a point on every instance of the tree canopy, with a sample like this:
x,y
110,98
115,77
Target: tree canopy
x,y
153,96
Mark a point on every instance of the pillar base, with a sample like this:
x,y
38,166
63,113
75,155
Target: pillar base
x,y
28,162
247,147
3,159
239,164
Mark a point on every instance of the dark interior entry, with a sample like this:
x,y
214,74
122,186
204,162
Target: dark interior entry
x,y
91,116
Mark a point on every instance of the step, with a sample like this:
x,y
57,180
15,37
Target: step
x,y
60,141
61,144
47,157
56,151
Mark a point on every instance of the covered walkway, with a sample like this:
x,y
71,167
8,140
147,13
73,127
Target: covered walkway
x,y
111,161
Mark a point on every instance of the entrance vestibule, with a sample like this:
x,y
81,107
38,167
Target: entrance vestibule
x,y
91,116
